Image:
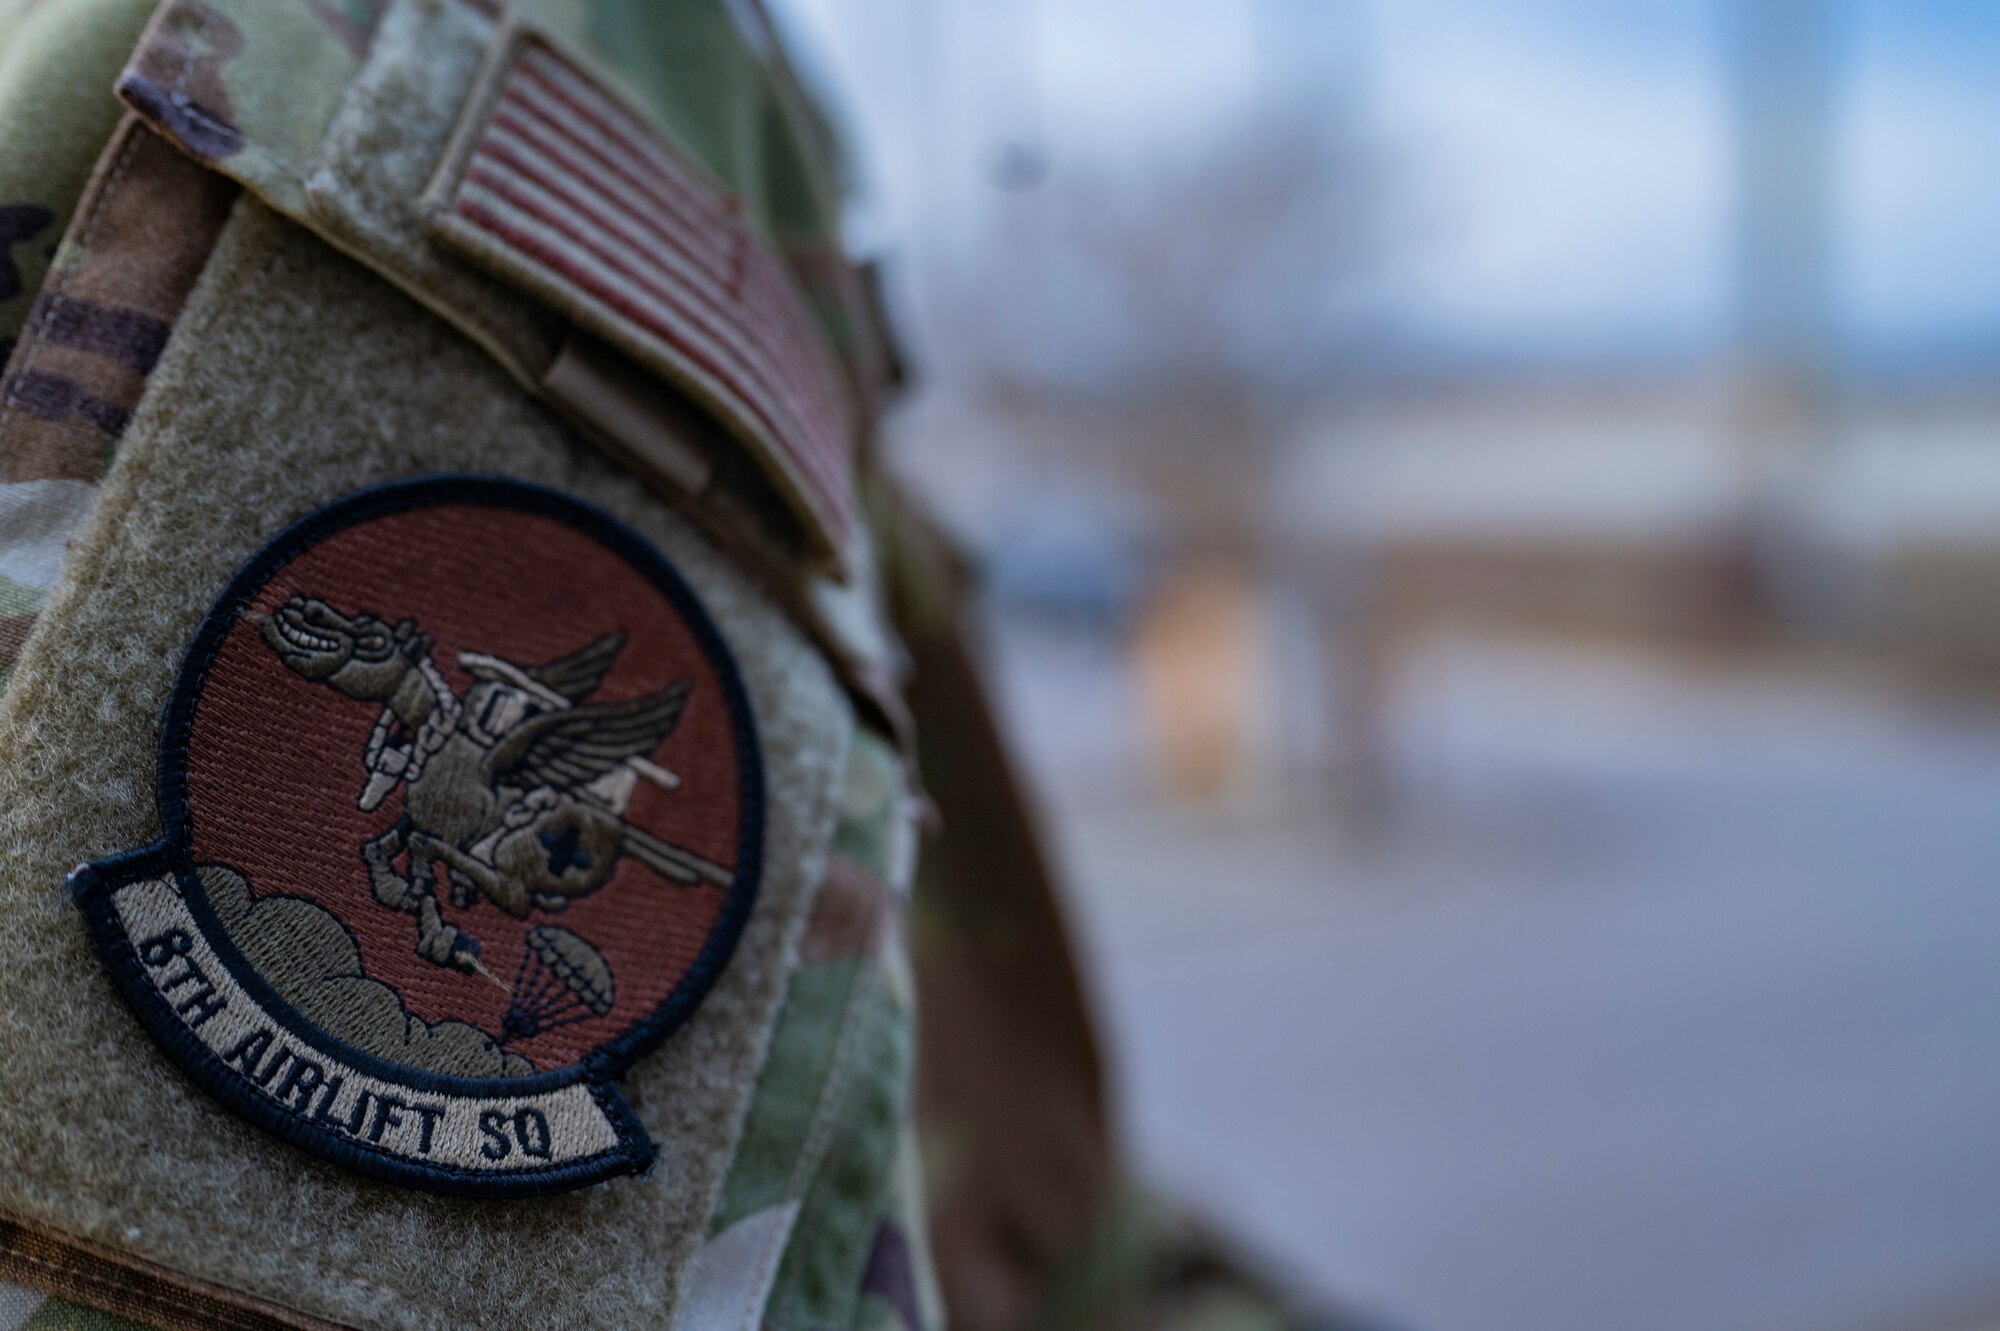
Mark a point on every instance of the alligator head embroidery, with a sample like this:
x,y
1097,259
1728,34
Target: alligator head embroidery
x,y
517,790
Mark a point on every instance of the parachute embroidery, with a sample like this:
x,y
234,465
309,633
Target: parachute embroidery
x,y
563,979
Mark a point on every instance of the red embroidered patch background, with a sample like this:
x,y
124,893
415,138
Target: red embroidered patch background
x,y
281,763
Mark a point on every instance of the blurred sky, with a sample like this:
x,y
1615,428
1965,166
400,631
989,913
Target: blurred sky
x,y
1561,174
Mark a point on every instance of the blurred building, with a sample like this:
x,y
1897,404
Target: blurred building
x,y
1552,318
1348,396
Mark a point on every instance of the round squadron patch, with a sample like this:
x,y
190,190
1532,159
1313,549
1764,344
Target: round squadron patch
x,y
463,812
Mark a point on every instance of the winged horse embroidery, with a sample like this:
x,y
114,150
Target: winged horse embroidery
x,y
518,789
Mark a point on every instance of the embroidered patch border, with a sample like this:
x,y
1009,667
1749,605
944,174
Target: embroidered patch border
x,y
153,923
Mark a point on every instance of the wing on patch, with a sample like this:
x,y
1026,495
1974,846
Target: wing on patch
x,y
577,675
572,748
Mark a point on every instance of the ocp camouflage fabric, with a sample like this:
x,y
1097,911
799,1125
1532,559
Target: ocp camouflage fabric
x,y
55,63
888,1172
26,1310
94,332
824,1176
187,77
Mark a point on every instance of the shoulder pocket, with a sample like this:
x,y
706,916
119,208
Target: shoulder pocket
x,y
503,182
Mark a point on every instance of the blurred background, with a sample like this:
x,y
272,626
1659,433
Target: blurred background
x,y
1492,520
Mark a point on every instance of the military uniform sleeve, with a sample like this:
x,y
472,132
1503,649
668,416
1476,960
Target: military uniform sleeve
x,y
454,770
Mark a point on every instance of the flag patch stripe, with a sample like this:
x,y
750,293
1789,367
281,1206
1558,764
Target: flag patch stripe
x,y
569,189
543,161
655,292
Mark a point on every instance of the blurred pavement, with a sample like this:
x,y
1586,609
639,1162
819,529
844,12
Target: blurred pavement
x,y
1668,998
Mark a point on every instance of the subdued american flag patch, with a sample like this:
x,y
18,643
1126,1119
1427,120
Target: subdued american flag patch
x,y
559,186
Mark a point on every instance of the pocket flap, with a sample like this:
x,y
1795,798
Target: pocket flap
x,y
507,185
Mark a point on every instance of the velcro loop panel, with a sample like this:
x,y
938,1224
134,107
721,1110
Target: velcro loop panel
x,y
557,185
